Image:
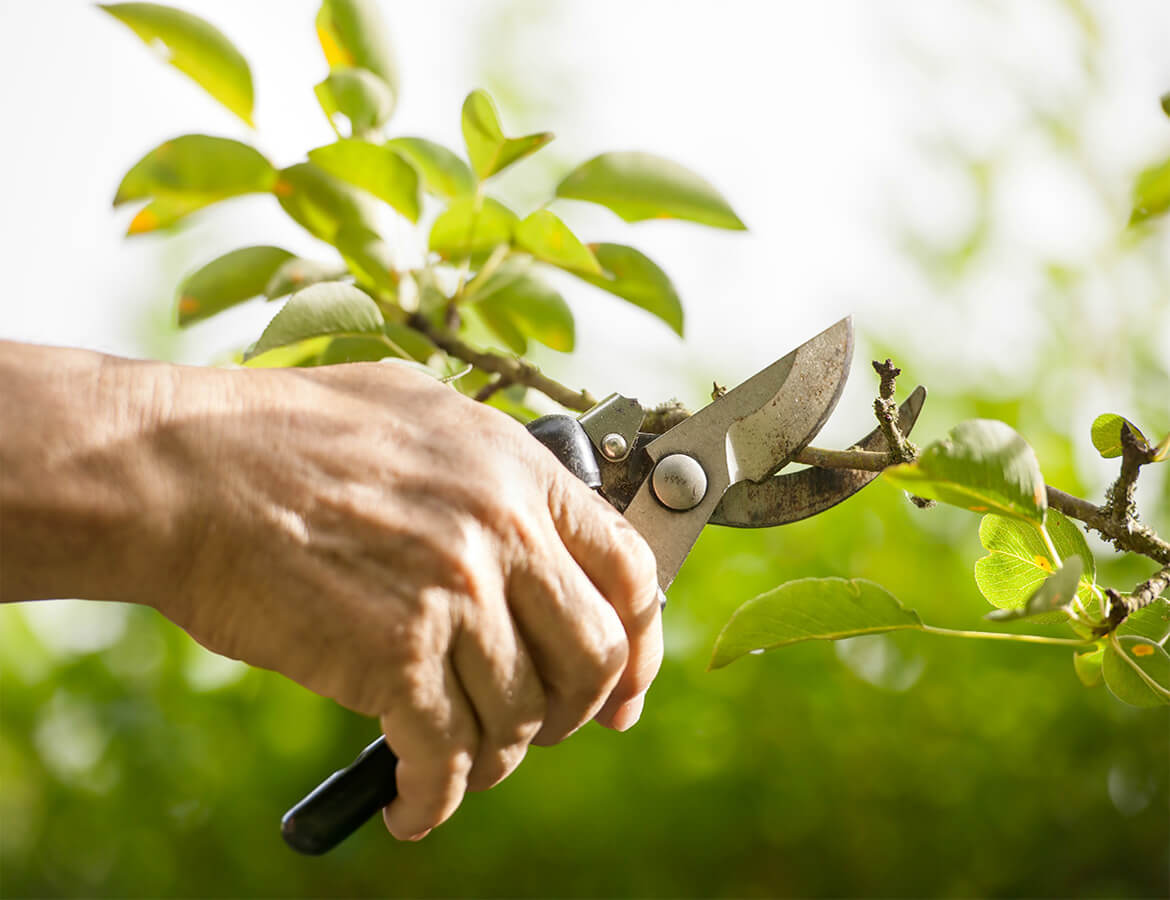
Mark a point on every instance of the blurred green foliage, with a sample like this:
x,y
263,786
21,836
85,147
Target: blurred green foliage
x,y
135,764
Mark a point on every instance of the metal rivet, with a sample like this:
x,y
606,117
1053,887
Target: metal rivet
x,y
614,446
679,482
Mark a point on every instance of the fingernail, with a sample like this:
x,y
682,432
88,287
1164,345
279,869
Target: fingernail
x,y
629,713
419,836
661,599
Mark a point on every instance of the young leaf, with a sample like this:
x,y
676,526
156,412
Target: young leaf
x,y
443,173
1018,561
300,273
353,35
1106,431
1129,686
1151,195
359,95
1088,664
467,228
188,173
195,47
811,609
983,466
487,147
329,308
516,305
1050,598
231,279
633,276
368,257
321,203
372,168
1162,451
640,186
549,239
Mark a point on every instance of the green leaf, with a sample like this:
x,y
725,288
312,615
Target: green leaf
x,y
353,35
1106,431
321,203
1126,684
1151,195
300,273
639,186
487,147
983,466
633,276
195,47
358,348
467,227
1050,598
231,279
1165,101
372,168
368,257
550,240
188,173
413,344
811,609
516,305
359,95
1088,664
1151,622
443,173
290,356
329,308
1018,561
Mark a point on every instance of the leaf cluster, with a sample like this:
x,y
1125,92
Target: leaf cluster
x,y
481,291
1038,567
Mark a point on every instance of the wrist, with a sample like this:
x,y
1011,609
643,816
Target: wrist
x,y
91,507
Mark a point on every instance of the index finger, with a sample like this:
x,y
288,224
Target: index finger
x,y
622,567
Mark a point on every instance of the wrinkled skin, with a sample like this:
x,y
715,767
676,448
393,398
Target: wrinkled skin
x,y
363,529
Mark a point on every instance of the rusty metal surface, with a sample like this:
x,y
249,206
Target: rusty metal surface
x,y
791,497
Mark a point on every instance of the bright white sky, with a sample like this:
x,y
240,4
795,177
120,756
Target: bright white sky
x,y
809,117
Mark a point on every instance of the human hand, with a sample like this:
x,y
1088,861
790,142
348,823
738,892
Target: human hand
x,y
383,540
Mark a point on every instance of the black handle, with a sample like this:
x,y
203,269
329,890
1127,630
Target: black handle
x,y
340,804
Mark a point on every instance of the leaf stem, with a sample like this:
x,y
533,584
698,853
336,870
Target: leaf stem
x,y
1057,562
1001,636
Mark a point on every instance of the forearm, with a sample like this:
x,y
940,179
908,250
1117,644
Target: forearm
x,y
87,505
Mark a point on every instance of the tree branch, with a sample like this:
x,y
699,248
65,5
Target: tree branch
x,y
886,410
516,371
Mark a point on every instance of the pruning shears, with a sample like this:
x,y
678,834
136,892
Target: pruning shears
x,y
720,466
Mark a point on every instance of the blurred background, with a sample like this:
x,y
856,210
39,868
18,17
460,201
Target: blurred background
x,y
957,176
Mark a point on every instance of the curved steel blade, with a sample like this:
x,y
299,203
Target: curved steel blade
x,y
749,432
798,495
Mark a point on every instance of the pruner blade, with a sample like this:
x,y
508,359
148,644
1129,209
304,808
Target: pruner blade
x,y
748,433
792,496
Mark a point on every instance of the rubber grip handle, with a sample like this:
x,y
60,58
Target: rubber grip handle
x,y
340,804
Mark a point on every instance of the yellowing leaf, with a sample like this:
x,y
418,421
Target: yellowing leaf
x,y
322,203
353,34
195,47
